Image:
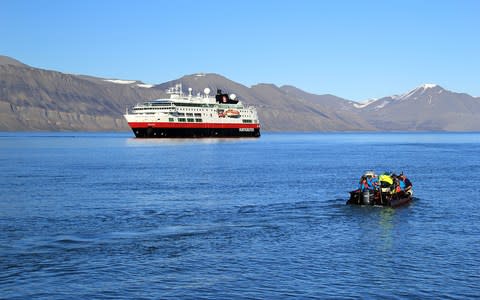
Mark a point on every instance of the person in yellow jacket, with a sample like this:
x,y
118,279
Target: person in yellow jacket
x,y
386,182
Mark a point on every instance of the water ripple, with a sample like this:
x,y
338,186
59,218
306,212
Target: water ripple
x,y
240,220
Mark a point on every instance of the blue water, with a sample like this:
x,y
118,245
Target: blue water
x,y
104,215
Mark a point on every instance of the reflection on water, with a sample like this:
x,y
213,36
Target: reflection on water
x,y
386,226
186,141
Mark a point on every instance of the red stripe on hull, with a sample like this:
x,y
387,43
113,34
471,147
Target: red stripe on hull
x,y
189,125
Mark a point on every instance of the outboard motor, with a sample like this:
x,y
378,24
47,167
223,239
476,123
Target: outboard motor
x,y
367,197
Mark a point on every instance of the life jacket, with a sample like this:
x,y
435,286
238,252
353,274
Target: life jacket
x,y
386,178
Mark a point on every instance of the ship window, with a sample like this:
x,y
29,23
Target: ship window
x,y
181,119
171,120
247,121
198,120
198,115
189,115
181,114
190,119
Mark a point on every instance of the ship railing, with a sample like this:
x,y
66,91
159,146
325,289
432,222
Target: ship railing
x,y
129,109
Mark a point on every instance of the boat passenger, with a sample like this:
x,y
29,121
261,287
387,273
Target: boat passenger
x,y
401,183
386,178
368,183
386,182
363,184
397,187
407,183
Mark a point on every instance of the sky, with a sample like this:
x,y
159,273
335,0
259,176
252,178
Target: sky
x,y
356,50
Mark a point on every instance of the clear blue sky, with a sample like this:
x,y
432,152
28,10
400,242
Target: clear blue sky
x,y
352,49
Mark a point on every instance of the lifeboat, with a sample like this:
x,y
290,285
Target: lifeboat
x,y
232,113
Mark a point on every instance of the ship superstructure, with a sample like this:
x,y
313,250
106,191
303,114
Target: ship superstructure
x,y
187,115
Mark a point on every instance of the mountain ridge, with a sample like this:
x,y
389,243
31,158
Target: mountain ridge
x,y
38,99
426,107
6,60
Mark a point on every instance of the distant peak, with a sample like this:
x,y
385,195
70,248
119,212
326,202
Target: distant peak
x,y
202,75
424,88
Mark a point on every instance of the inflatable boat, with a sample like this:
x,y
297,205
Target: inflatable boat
x,y
372,198
387,189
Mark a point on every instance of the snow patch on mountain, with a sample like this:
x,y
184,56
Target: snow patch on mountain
x,y
415,92
429,85
364,104
147,86
118,81
381,105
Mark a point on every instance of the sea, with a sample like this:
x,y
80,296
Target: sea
x,y
109,216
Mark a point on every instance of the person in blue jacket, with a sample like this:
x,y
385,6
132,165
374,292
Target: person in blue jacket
x,y
368,182
405,184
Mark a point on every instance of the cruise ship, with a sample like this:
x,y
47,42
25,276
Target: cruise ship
x,y
191,116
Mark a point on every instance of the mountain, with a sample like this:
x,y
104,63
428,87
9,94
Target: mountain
x,y
37,99
427,107
282,108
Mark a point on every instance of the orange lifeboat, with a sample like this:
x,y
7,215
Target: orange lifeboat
x,y
232,113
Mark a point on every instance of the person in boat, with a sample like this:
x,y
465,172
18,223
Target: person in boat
x,y
386,182
397,185
407,184
368,181
401,184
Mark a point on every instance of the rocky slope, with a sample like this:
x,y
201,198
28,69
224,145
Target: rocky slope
x,y
37,99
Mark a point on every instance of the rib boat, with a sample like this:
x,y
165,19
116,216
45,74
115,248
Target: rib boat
x,y
384,190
